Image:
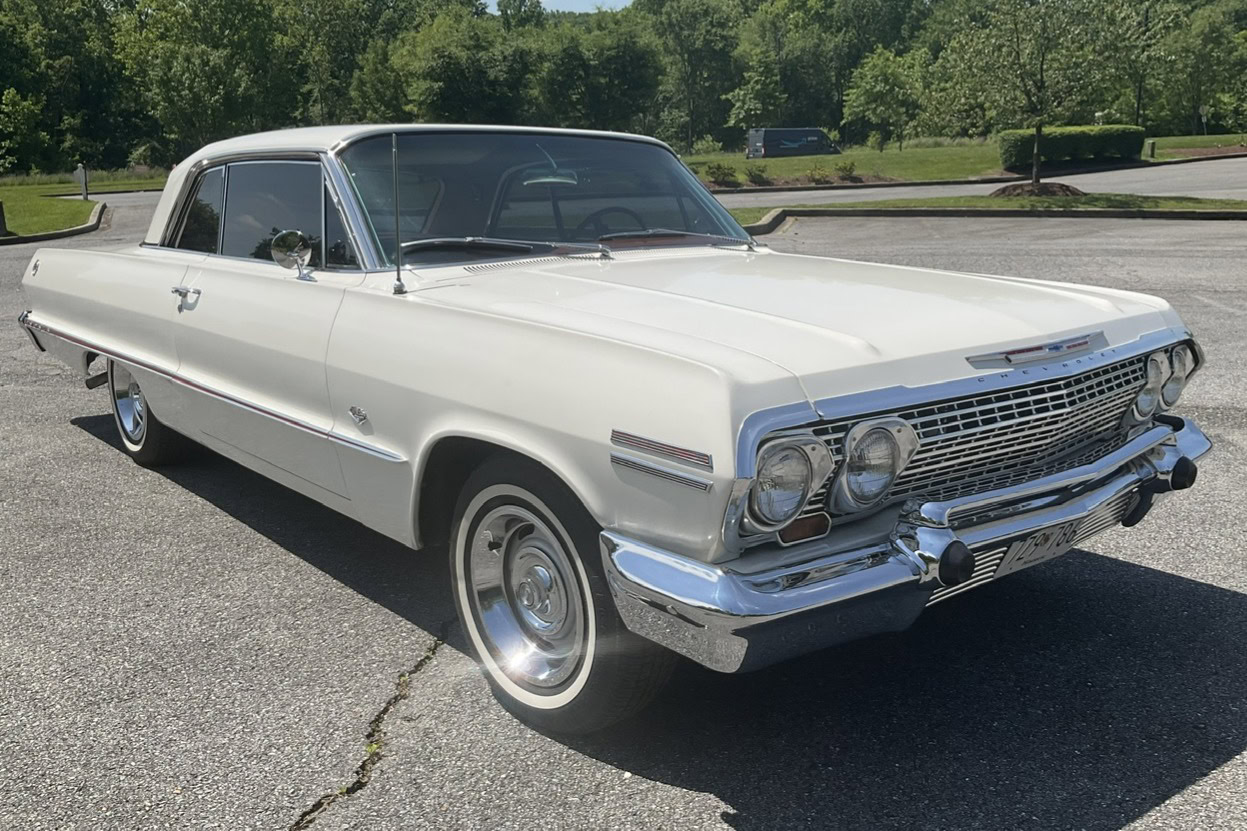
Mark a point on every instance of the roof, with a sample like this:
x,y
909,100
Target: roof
x,y
320,139
329,138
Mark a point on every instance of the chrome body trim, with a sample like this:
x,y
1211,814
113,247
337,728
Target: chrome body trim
x,y
30,332
732,619
667,451
642,466
1040,352
190,383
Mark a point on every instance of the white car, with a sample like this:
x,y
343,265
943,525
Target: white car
x,y
640,432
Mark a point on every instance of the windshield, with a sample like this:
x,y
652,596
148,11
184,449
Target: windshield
x,y
540,188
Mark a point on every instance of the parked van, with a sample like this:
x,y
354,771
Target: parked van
x,y
767,142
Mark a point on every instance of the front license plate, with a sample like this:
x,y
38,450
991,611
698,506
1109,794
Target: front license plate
x,y
1037,548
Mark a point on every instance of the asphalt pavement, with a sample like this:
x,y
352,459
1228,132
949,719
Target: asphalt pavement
x,y
200,648
1216,179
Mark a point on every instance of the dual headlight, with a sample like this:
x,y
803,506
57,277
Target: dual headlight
x,y
791,468
1166,377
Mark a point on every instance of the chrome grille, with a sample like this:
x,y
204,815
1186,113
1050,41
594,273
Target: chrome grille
x,y
986,562
984,442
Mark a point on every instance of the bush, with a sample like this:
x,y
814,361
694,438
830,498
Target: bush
x,y
820,175
756,174
721,174
1123,141
706,145
846,169
876,141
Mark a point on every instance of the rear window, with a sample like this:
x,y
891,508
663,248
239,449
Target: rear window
x,y
201,231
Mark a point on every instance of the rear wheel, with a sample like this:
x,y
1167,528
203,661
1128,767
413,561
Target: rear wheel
x,y
533,600
144,438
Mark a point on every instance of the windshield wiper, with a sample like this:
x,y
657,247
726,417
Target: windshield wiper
x,y
648,233
477,243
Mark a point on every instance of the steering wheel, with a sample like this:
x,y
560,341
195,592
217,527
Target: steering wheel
x,y
595,219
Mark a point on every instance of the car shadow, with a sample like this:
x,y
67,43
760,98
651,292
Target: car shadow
x,y
1077,695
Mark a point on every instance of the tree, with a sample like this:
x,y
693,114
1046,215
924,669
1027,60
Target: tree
x,y
1202,61
1134,37
759,100
518,14
1032,61
700,37
22,144
886,92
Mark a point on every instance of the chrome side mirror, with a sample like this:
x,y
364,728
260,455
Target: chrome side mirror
x,y
291,249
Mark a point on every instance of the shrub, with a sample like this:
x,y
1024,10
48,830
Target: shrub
x,y
706,145
1123,141
820,175
846,169
876,141
721,174
756,174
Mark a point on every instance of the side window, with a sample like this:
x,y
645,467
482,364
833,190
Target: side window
x,y
266,198
202,228
339,253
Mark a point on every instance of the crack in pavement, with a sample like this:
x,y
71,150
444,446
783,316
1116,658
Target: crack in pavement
x,y
375,737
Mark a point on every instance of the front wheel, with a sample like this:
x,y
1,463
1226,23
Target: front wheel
x,y
534,603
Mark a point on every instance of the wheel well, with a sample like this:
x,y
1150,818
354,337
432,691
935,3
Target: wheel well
x,y
450,463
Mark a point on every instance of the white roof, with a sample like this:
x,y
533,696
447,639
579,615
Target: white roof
x,y
327,138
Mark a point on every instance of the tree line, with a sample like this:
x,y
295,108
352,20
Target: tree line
x,y
116,82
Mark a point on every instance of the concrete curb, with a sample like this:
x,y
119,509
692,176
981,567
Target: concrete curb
x,y
97,214
982,180
776,217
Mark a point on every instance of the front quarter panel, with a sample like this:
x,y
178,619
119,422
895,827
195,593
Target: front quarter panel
x,y
425,370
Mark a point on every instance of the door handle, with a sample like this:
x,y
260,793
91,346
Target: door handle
x,y
183,291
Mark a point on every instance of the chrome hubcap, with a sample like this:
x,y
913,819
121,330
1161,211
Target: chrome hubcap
x,y
130,404
527,598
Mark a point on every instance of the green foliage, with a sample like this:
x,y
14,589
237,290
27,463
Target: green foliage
x,y
721,174
887,94
820,175
1122,141
756,174
706,145
845,169
105,82
877,141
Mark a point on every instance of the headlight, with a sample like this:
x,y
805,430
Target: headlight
x,y
789,470
1181,362
1148,400
784,477
875,454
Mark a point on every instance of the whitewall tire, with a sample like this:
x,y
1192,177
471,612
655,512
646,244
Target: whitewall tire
x,y
535,607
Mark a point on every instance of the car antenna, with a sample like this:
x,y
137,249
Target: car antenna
x,y
399,286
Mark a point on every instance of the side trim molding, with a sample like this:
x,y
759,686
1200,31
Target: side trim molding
x,y
660,472
668,451
346,441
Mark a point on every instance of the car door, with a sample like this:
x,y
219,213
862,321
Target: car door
x,y
252,335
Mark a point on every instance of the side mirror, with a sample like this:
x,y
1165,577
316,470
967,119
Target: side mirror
x,y
291,249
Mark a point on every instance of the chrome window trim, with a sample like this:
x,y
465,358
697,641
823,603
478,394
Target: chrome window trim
x,y
343,193
181,203
759,424
192,384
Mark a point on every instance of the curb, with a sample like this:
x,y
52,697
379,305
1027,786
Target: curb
x,y
982,180
776,217
97,214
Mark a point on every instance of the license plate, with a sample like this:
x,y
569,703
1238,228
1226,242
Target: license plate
x,y
1048,544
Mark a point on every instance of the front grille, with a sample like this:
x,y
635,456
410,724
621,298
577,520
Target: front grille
x,y
984,442
987,561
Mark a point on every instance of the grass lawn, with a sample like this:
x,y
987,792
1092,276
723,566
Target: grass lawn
x,y
1130,201
33,208
960,161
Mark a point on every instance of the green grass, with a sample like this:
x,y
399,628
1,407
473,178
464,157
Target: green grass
x,y
31,206
964,160
746,216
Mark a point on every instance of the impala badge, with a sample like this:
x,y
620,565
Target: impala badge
x,y
358,415
1040,352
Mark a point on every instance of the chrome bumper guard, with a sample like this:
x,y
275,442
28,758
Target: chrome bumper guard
x,y
733,620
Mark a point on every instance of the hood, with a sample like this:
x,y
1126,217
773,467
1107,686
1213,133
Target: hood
x,y
840,326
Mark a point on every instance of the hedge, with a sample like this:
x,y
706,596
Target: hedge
x,y
1124,141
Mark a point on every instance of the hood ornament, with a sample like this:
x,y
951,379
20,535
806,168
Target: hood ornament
x,y
1056,350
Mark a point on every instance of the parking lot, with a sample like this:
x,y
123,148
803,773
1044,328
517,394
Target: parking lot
x,y
197,647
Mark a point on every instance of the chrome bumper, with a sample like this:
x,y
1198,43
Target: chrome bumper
x,y
733,620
